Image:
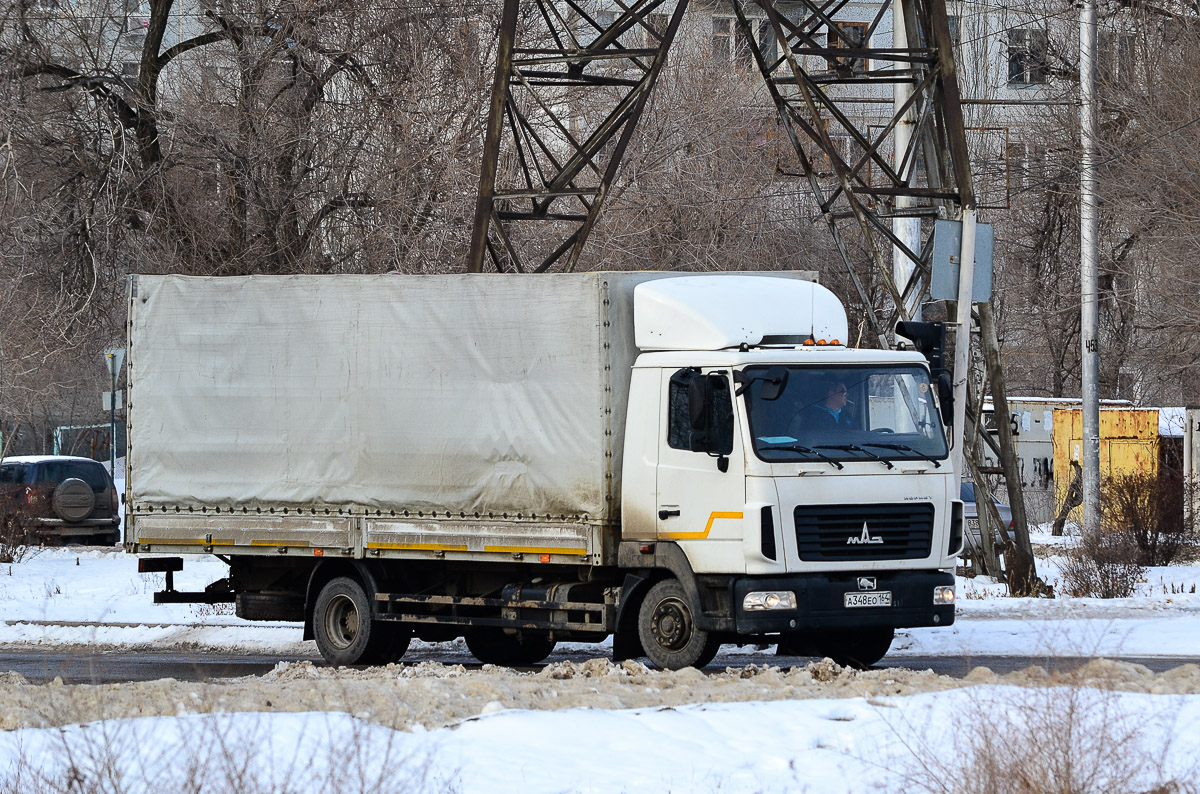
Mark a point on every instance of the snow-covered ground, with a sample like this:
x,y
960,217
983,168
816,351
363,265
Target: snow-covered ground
x,y
882,745
890,731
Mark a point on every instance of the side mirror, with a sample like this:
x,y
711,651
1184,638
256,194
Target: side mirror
x,y
774,382
699,410
945,392
710,414
929,339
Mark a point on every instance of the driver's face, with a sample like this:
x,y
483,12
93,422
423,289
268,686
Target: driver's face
x,y
836,399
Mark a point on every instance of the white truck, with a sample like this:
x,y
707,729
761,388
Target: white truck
x,y
676,461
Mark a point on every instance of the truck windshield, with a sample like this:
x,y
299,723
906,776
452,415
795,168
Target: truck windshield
x,y
836,414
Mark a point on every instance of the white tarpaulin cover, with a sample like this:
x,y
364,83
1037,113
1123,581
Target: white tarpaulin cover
x,y
445,393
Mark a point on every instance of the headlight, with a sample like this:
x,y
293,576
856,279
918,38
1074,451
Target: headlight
x,y
769,599
943,595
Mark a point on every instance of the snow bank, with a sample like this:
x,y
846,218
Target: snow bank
x,y
861,743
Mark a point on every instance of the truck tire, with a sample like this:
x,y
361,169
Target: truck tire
x,y
668,632
859,649
73,500
344,628
496,646
269,606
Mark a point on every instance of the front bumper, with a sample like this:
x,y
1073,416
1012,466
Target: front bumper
x,y
820,602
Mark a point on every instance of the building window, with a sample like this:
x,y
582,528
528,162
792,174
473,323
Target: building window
x,y
645,35
655,29
129,76
1026,164
1114,57
1028,57
847,36
729,44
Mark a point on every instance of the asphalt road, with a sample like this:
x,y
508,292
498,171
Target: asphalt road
x,y
85,666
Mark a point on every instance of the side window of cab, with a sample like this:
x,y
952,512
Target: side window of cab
x,y
700,412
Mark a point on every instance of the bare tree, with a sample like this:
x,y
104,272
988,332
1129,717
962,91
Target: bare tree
x,y
228,139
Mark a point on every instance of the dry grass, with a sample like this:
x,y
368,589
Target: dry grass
x,y
221,754
1104,565
1060,739
16,541
1149,509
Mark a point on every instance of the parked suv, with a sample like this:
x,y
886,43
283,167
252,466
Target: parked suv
x,y
59,498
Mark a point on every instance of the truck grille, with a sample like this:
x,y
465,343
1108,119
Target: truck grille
x,y
833,533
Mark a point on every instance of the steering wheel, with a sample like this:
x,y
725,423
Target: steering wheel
x,y
882,430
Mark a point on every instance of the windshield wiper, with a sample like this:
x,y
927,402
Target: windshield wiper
x,y
907,448
857,448
804,450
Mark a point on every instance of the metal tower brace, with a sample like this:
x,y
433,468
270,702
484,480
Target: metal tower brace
x,y
556,180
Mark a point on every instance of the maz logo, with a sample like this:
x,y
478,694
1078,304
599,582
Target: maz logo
x,y
865,539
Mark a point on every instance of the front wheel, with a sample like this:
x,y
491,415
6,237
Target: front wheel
x,y
667,629
859,649
345,630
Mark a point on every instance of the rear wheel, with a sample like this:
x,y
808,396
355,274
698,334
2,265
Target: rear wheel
x,y
345,630
667,629
859,649
496,646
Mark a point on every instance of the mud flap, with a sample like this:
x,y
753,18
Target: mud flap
x,y
626,644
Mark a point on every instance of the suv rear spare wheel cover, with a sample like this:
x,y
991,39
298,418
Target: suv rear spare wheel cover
x,y
73,500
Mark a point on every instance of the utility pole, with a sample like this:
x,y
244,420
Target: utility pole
x,y
905,228
114,357
1089,322
962,338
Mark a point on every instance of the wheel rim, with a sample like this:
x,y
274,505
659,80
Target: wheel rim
x,y
342,622
671,625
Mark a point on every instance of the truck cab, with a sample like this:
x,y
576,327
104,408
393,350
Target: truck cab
x,y
797,491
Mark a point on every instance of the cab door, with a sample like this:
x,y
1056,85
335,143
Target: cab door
x,y
701,471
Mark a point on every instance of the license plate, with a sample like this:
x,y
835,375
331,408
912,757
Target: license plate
x,y
882,598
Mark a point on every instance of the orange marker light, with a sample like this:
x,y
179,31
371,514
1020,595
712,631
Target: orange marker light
x,y
318,552
545,558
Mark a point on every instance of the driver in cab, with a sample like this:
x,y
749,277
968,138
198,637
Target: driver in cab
x,y
829,412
